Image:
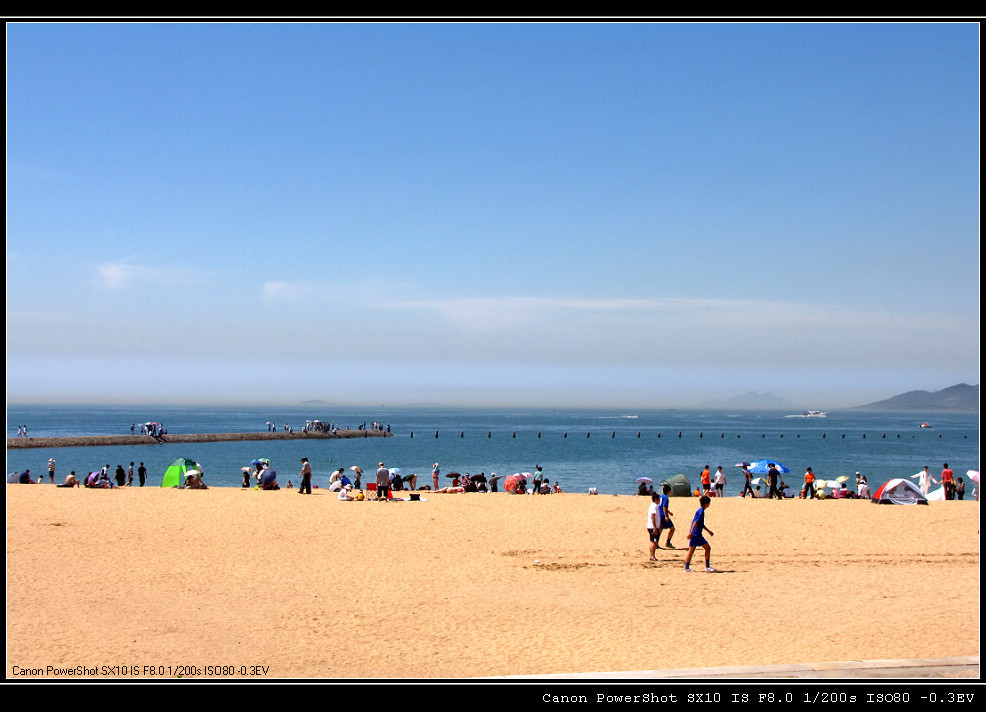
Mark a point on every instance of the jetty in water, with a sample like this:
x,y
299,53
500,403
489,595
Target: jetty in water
x,y
107,440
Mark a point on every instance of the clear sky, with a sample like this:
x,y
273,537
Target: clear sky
x,y
551,214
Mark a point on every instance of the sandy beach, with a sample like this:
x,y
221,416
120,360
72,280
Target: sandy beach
x,y
127,583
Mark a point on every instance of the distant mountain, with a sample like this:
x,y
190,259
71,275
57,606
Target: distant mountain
x,y
960,397
752,401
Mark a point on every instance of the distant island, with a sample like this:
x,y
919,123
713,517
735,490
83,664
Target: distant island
x,y
961,397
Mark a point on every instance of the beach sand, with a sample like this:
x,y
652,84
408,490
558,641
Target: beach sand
x,y
123,583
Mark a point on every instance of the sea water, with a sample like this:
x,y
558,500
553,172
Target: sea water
x,y
578,449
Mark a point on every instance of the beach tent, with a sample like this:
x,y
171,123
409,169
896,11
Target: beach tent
x,y
174,476
680,486
898,491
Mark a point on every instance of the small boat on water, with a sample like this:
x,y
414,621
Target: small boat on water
x,y
816,414
925,425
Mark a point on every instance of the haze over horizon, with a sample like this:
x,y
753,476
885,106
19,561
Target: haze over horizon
x,y
639,215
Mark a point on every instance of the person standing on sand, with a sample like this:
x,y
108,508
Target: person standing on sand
x,y
383,483
773,476
862,487
130,475
695,538
654,526
664,516
306,477
720,482
747,484
141,474
948,482
434,476
925,480
706,482
808,492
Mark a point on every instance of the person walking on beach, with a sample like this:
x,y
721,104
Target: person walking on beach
x,y
306,477
130,475
696,538
141,474
538,479
51,470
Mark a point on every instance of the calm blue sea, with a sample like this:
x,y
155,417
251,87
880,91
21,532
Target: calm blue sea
x,y
578,449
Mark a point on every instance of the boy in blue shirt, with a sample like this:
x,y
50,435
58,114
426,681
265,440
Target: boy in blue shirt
x,y
695,538
664,516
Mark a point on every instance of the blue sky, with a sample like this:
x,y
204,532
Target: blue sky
x,y
551,214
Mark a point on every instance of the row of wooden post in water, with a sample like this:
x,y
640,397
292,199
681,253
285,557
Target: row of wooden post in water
x,y
701,434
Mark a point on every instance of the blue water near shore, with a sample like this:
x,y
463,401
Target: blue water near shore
x,y
578,449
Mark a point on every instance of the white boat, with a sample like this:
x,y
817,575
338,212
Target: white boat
x,y
816,414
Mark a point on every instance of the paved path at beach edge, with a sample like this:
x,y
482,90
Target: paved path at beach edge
x,y
966,666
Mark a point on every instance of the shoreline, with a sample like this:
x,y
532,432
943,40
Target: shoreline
x,y
104,440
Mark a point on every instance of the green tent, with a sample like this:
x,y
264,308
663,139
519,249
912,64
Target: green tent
x,y
174,476
680,486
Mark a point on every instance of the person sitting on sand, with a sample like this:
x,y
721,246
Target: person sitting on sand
x,y
557,488
268,479
193,480
71,480
345,494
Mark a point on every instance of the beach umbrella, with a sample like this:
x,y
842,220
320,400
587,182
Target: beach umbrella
x,y
761,467
524,475
395,470
357,470
842,479
648,480
757,481
742,464
973,475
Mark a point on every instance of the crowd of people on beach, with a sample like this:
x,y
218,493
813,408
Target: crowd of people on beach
x,y
812,487
97,479
388,480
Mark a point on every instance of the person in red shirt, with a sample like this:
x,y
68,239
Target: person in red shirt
x,y
948,482
808,491
706,482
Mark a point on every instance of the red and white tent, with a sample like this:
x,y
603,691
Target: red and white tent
x,y
899,491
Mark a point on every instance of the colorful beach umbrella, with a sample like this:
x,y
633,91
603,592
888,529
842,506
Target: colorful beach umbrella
x,y
761,467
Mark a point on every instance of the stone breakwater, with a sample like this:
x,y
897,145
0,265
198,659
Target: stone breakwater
x,y
103,440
